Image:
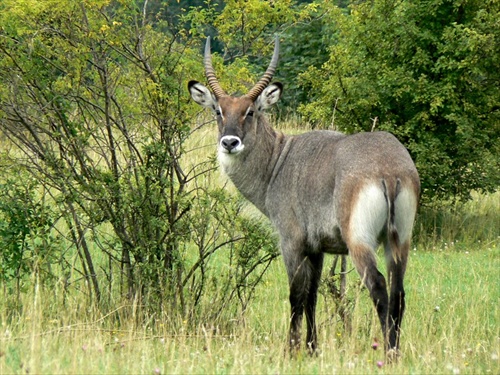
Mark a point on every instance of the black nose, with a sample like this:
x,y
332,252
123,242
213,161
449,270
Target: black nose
x,y
230,142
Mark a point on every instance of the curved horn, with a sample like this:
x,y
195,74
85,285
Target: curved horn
x,y
210,72
268,75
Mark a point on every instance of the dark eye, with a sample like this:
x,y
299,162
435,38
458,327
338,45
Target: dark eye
x,y
217,112
250,113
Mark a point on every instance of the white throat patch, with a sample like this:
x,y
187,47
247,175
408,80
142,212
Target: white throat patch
x,y
227,160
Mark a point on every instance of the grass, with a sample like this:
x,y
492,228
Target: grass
x,y
451,326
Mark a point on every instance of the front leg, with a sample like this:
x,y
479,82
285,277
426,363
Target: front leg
x,y
316,265
304,273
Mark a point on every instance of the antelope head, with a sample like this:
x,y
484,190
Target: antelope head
x,y
237,117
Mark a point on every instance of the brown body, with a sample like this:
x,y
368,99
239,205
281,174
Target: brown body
x,y
325,192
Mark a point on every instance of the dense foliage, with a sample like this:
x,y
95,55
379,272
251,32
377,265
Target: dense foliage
x,y
429,72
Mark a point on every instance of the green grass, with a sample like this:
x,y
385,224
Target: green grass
x,y
452,325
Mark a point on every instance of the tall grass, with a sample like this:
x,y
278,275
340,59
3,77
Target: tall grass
x,y
451,326
452,321
460,225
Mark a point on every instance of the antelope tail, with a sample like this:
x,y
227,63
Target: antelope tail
x,y
391,192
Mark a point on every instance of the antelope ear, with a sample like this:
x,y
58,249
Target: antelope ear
x,y
202,95
269,96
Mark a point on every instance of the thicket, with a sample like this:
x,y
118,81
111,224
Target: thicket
x,y
97,193
93,104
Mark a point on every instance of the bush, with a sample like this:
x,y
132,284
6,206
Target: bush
x,y
100,119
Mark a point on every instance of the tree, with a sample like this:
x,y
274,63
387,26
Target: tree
x,y
427,71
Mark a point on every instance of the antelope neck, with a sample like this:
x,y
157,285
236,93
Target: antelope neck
x,y
252,171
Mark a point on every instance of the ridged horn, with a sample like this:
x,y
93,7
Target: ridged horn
x,y
268,75
210,72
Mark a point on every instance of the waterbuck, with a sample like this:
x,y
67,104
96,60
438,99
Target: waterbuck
x,y
325,192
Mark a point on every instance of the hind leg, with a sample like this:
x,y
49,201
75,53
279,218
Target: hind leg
x,y
364,260
396,268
